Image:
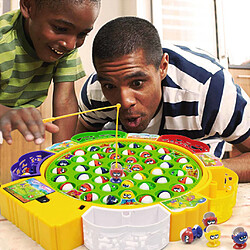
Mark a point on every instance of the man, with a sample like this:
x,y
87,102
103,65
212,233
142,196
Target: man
x,y
38,44
174,90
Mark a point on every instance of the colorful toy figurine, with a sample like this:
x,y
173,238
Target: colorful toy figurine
x,y
136,167
110,200
127,197
116,172
209,218
86,187
188,235
213,234
239,237
127,184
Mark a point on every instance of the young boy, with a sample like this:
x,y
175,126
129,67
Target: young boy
x,y
38,44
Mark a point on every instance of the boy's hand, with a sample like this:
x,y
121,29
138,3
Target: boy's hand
x,y
28,121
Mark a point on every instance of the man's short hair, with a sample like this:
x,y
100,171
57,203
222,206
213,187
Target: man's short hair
x,y
55,4
125,35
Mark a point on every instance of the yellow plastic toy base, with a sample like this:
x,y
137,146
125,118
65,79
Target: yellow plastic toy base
x,y
57,224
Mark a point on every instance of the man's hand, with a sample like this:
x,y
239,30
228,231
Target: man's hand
x,y
28,121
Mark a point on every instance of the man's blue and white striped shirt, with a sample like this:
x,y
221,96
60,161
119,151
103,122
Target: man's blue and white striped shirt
x,y
200,101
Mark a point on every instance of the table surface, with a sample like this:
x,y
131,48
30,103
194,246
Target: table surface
x,y
12,238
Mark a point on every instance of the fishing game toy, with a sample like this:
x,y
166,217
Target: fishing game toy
x,y
113,190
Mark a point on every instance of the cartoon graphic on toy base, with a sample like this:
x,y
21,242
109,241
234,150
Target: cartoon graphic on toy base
x,y
209,218
156,176
213,234
188,235
239,237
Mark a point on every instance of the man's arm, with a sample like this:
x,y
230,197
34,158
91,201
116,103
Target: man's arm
x,y
82,126
64,102
27,120
241,163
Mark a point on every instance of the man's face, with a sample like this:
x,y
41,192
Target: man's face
x,y
130,81
56,32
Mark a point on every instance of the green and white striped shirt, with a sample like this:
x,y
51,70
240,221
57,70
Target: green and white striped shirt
x,y
25,79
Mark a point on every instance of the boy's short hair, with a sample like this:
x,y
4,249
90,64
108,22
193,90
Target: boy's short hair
x,y
125,35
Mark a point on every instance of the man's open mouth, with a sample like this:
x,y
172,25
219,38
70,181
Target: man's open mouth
x,y
133,122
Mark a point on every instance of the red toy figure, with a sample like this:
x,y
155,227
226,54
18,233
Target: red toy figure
x,y
209,218
188,235
116,172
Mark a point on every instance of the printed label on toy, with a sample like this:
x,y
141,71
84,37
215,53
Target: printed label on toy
x,y
143,136
210,160
28,190
57,147
188,200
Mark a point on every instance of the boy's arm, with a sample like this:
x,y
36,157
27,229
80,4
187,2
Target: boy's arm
x,y
64,102
27,120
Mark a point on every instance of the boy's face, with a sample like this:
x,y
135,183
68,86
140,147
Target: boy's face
x,y
54,33
130,81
